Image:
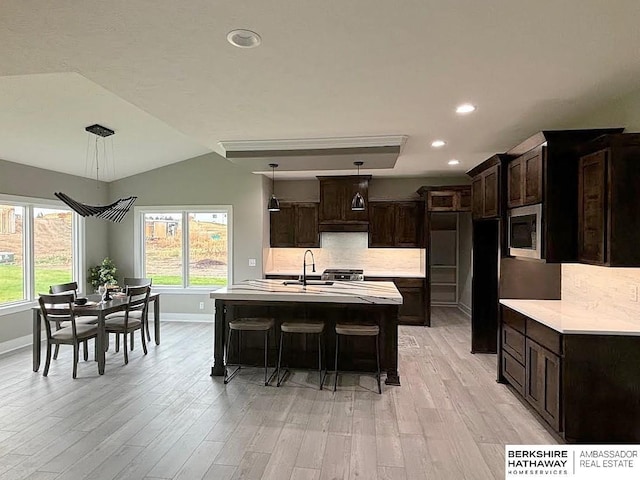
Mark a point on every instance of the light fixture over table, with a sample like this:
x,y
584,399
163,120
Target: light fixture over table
x,y
115,211
274,204
357,203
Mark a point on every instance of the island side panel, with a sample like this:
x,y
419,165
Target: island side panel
x,y
218,339
389,325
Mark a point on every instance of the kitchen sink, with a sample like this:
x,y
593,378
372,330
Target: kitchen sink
x,y
309,282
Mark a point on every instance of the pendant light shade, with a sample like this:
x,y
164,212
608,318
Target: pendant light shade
x,y
357,203
274,204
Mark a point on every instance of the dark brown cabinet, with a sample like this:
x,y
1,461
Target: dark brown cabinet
x,y
583,385
395,224
295,225
591,216
336,193
542,382
412,310
485,188
524,178
608,199
451,198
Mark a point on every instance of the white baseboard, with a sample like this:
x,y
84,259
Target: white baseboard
x,y
16,343
465,309
185,317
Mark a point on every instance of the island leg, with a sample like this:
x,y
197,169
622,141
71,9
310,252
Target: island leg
x,y
217,369
389,321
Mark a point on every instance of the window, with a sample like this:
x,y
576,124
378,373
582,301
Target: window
x,y
39,245
184,248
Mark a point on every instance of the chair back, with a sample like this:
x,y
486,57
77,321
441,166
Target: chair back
x,y
71,287
137,300
58,308
137,281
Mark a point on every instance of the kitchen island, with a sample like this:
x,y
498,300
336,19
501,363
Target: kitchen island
x,y
340,302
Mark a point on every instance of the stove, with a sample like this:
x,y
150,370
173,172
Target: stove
x,y
343,274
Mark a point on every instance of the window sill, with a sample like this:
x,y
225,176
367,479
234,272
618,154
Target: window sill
x,y
17,307
185,291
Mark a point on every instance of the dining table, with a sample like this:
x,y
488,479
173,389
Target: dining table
x,y
98,309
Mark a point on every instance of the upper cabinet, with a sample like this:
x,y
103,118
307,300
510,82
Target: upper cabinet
x,y
544,169
336,193
608,199
453,198
295,225
395,224
486,185
524,178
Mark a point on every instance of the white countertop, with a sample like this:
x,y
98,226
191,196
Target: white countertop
x,y
570,317
382,293
367,273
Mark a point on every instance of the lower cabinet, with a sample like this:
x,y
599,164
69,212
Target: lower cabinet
x,y
585,387
542,382
412,310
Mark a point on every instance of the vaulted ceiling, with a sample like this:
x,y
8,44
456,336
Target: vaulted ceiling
x,y
162,74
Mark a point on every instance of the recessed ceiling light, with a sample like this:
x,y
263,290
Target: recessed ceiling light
x,y
438,143
465,108
243,38
454,162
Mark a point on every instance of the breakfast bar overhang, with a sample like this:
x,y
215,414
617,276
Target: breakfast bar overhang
x,y
340,302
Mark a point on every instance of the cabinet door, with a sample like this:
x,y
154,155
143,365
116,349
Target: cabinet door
x,y
442,201
465,200
592,208
382,224
306,225
515,183
477,197
408,224
350,187
411,312
282,232
532,170
542,382
491,193
332,200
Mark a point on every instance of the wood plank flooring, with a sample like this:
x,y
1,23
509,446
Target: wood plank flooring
x,y
162,416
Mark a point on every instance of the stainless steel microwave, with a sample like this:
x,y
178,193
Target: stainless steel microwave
x,y
525,231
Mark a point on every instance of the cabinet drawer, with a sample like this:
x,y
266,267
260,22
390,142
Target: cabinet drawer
x,y
513,371
545,336
513,342
515,320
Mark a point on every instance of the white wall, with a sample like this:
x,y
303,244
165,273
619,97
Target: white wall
x,y
26,181
465,247
204,180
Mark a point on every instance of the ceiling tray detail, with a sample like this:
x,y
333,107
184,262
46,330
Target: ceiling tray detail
x,y
315,154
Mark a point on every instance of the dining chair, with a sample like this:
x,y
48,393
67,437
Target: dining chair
x,y
72,287
131,318
136,282
59,309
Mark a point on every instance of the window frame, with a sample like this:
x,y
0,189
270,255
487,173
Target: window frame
x,y
29,204
184,210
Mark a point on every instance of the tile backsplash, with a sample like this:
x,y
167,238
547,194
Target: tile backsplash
x,y
613,291
349,250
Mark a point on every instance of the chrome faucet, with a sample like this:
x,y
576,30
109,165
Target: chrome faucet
x,y
304,266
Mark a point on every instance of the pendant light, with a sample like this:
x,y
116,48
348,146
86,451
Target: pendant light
x,y
357,203
274,204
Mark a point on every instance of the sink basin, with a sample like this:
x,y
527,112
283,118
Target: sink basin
x,y
309,282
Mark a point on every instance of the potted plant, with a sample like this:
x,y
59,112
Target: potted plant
x,y
103,274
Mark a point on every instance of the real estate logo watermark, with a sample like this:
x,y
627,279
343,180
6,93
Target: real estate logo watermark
x,y
575,462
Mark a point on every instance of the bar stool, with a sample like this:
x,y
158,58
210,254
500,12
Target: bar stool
x,y
250,325
316,328
358,330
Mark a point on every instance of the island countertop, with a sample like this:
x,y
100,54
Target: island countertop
x,y
378,293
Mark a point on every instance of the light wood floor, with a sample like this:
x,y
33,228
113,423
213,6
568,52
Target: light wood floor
x,y
162,416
